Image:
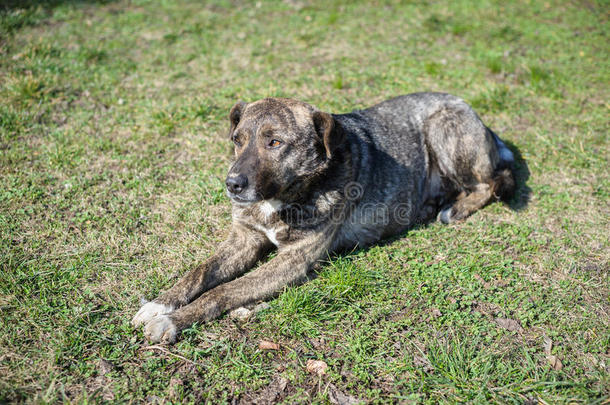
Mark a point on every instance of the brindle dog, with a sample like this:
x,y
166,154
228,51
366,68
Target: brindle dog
x,y
311,183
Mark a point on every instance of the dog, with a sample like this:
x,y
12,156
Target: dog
x,y
309,183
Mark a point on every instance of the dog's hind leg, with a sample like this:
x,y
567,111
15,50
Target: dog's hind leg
x,y
470,157
466,204
500,187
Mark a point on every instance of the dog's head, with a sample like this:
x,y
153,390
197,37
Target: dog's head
x,y
279,144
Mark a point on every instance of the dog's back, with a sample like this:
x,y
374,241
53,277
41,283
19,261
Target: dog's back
x,y
416,154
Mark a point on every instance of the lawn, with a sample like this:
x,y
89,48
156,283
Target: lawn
x,y
113,152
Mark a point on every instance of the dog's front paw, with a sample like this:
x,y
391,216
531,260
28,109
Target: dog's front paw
x,y
161,329
149,311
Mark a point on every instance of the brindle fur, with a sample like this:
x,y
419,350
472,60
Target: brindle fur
x,y
336,182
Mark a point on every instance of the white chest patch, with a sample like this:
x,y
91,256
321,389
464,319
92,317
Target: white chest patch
x,y
271,234
268,207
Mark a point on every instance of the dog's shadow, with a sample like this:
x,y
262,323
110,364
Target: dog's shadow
x,y
521,172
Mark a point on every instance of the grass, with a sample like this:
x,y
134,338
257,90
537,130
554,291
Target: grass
x,y
113,118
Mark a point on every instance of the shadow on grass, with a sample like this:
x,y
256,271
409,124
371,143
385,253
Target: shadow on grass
x,y
47,4
521,172
16,14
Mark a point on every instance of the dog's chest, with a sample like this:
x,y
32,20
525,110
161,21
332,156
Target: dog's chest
x,y
363,226
264,218
273,233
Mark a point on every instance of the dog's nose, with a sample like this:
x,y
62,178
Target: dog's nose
x,y
237,184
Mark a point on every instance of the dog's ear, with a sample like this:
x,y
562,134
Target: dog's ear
x,y
329,132
235,115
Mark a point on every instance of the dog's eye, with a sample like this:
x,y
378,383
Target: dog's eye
x,y
274,143
235,140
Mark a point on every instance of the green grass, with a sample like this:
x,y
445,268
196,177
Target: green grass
x,y
113,150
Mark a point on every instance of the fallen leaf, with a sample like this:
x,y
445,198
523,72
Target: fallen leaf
x,y
555,362
174,387
271,392
509,324
423,363
104,367
480,279
501,282
318,344
436,312
316,367
548,346
339,398
267,345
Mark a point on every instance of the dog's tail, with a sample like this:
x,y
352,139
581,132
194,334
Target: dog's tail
x,y
506,155
504,180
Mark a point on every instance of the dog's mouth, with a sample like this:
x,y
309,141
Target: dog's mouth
x,y
240,200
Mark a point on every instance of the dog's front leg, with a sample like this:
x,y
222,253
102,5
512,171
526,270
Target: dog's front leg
x,y
242,249
289,267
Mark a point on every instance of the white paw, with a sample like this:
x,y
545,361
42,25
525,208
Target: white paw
x,y
445,216
149,311
161,329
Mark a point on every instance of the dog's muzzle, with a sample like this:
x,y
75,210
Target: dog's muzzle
x,y
240,190
237,184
